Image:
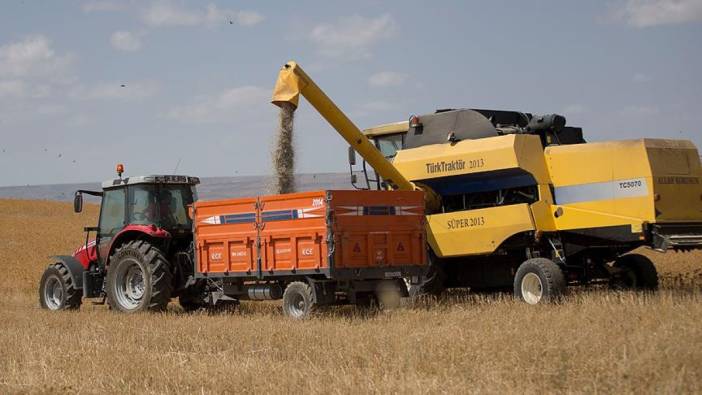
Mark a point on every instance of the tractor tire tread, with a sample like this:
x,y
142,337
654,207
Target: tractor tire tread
x,y
161,277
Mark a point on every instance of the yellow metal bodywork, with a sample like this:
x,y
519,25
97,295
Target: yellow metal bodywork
x,y
293,82
476,232
388,128
666,173
592,186
473,156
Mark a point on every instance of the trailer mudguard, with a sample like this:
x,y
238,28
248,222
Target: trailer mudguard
x,y
75,269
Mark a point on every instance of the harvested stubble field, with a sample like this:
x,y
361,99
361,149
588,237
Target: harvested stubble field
x,y
596,341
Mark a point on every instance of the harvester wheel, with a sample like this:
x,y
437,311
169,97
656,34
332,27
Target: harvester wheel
x,y
298,300
539,280
57,291
635,272
138,278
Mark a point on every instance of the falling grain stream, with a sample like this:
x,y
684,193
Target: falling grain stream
x,y
284,153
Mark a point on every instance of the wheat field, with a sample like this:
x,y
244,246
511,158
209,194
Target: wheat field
x,y
595,341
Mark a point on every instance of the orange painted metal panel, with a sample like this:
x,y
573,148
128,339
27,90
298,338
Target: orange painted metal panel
x,y
295,232
226,234
378,228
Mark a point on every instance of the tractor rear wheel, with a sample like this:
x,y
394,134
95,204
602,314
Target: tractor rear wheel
x,y
57,291
634,271
298,300
539,280
138,278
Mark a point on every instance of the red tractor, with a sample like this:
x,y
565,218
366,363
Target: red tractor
x,y
144,236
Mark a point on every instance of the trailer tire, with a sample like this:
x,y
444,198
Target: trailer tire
x,y
298,300
389,295
193,298
138,278
57,291
637,272
539,280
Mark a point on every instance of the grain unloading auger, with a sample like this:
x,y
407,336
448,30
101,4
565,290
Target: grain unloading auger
x,y
293,82
515,200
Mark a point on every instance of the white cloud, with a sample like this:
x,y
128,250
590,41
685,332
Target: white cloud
x,y
647,13
352,37
387,78
127,91
125,41
223,106
102,6
32,56
168,13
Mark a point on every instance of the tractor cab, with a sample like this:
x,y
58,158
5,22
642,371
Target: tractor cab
x,y
148,207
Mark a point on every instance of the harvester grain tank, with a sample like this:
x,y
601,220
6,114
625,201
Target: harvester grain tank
x,y
522,201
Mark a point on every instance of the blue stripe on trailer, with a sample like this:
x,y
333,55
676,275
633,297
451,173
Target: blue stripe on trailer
x,y
281,215
238,218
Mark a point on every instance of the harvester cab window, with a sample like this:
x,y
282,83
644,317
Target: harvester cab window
x,y
112,212
390,144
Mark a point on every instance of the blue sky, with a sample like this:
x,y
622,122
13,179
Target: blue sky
x,y
197,76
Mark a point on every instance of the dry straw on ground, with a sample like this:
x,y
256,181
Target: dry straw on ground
x,y
596,341
284,153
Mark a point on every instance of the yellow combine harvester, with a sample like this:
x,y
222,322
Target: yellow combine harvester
x,y
523,201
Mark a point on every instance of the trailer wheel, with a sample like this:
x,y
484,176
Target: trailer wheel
x,y
539,280
635,271
138,278
388,294
193,298
298,300
57,291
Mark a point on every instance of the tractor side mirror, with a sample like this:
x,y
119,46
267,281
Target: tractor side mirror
x,y
352,156
78,202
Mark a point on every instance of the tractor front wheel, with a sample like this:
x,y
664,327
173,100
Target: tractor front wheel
x,y
57,291
138,278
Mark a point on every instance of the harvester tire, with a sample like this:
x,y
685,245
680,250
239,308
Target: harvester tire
x,y
57,291
138,278
539,280
298,300
637,272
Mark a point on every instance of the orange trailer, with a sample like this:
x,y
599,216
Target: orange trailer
x,y
311,248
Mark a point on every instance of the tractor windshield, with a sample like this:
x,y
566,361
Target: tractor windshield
x,y
164,205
